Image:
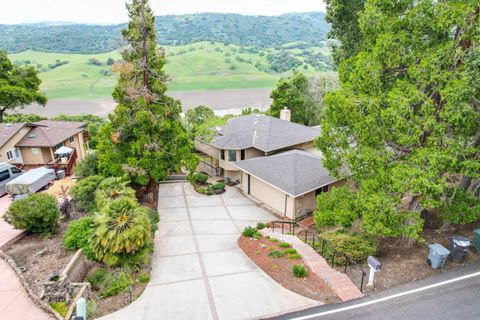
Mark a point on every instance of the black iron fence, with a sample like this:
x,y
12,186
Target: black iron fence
x,y
323,247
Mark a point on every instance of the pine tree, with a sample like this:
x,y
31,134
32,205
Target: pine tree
x,y
144,138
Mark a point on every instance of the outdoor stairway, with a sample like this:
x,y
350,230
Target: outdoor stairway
x,y
339,282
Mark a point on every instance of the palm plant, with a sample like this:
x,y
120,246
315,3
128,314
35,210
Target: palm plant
x,y
111,189
122,229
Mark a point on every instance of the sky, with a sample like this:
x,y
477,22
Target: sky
x,y
113,11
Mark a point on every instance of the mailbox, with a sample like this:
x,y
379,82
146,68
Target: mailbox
x,y
374,263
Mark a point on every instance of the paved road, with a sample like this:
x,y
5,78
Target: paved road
x,y
14,301
198,270
449,296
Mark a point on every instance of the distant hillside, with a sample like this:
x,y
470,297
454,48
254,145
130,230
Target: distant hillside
x,y
253,31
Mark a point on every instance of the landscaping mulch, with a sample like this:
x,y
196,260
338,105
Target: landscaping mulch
x,y
280,269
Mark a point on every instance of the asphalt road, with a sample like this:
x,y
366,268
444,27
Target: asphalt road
x,y
431,298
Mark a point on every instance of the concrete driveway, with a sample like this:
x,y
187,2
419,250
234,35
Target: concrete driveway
x,y
198,270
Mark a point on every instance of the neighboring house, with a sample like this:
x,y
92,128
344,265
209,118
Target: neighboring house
x,y
273,159
34,144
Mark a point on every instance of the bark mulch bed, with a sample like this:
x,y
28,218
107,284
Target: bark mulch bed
x,y
280,269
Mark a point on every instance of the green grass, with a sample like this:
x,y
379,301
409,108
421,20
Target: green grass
x,y
198,66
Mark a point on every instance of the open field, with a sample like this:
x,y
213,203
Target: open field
x,y
199,66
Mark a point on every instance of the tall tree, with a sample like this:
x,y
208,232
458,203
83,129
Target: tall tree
x,y
144,138
406,120
294,93
19,86
343,18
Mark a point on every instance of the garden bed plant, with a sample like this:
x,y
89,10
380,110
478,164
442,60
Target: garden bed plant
x,y
283,264
201,185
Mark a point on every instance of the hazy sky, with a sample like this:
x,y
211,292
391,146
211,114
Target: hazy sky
x,y
113,11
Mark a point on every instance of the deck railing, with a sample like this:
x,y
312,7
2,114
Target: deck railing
x,y
322,247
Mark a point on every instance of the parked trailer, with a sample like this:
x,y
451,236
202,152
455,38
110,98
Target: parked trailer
x,y
30,182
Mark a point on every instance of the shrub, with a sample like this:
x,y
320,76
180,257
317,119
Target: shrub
x,y
37,213
122,231
154,219
111,189
354,244
218,186
300,271
83,193
290,251
260,226
294,256
88,166
60,306
200,178
249,231
273,240
78,235
97,277
276,254
284,245
144,278
116,284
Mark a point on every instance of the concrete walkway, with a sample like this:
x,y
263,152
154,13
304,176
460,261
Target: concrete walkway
x,y
198,270
14,301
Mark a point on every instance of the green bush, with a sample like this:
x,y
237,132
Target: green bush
x,y
60,306
37,213
294,256
200,178
290,251
111,189
273,240
154,219
354,244
144,278
88,166
249,231
218,186
78,235
122,231
83,193
276,254
300,271
97,278
284,245
116,284
260,226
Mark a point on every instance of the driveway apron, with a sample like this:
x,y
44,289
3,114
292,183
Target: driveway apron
x,y
198,270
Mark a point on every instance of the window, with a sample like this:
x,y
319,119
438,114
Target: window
x,y
242,155
10,155
321,190
35,151
15,170
72,139
17,153
222,154
4,175
232,155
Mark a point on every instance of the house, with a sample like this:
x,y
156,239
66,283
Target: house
x,y
273,159
35,144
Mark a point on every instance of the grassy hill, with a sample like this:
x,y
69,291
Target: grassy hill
x,y
256,31
199,66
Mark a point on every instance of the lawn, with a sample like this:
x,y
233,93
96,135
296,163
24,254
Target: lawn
x,y
199,66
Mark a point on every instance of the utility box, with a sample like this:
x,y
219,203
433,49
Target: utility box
x,y
476,240
437,255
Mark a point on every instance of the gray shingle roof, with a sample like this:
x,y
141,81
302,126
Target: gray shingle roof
x,y
262,132
295,172
8,130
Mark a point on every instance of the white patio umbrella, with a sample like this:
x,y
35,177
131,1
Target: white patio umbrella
x,y
63,150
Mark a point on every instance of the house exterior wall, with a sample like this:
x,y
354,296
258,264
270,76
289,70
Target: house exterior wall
x,y
305,203
271,196
78,145
10,145
33,159
253,153
207,149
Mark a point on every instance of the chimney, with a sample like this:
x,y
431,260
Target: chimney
x,y
286,114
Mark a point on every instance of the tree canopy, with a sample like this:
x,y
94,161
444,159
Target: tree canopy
x,y
144,138
405,123
19,86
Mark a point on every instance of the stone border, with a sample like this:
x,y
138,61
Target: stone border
x,y
44,306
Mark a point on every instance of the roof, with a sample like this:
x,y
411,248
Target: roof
x,y
8,130
294,172
262,132
50,133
